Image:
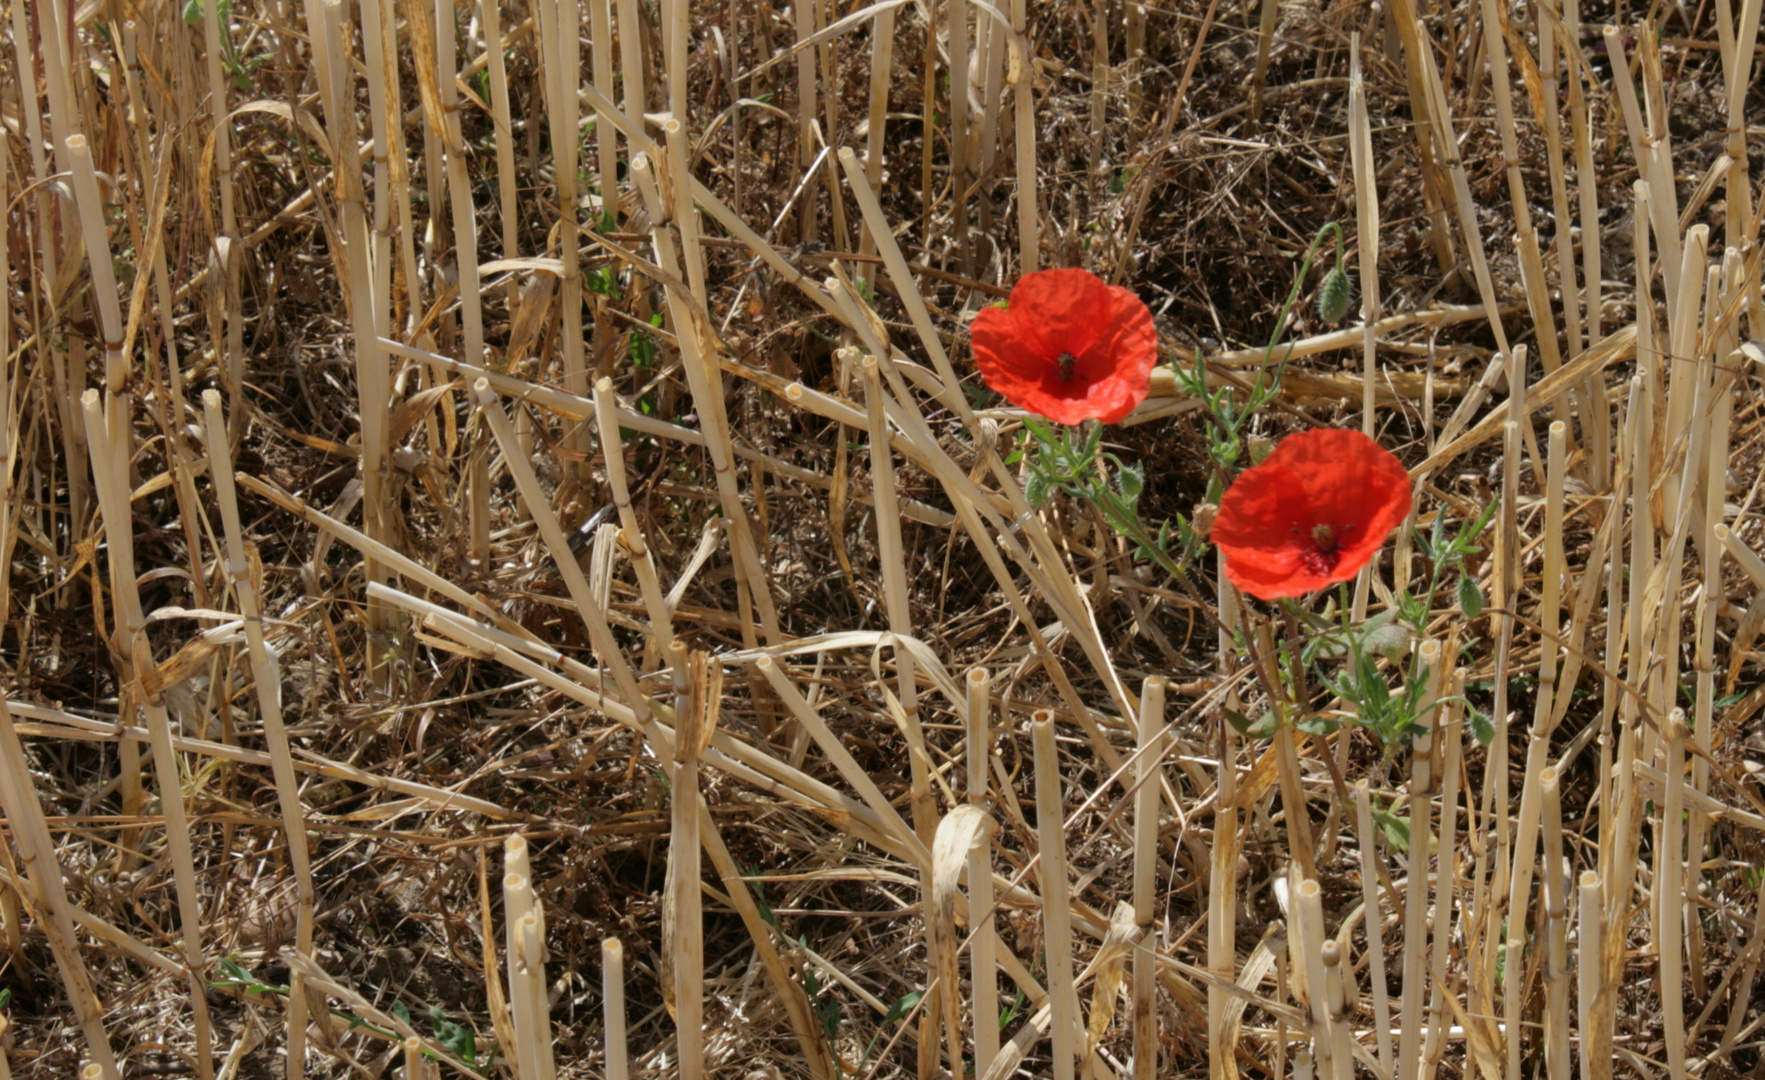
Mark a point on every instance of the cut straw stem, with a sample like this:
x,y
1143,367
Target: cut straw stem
x,y
1373,919
132,643
1669,875
694,711
984,945
1593,997
613,1007
267,679
1556,918
1056,902
1308,904
459,184
1147,778
1415,919
1222,888
1019,66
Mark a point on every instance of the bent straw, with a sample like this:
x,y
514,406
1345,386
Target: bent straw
x,y
1745,557
55,913
906,287
698,360
892,560
962,831
613,458
786,981
539,509
108,432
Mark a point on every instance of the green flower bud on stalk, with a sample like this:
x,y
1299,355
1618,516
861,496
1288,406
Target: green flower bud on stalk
x,y
1334,295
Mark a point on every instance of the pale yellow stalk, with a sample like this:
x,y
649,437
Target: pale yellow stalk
x,y
266,676
1415,920
518,901
1373,920
1148,774
131,637
984,946
1593,998
618,1066
1669,874
1556,919
1056,903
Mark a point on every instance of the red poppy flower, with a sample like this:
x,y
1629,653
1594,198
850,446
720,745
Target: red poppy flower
x,y
1069,347
1311,514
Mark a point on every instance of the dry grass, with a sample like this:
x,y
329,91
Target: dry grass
x,y
565,638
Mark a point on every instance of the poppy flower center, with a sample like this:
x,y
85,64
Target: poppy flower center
x,y
1321,555
1067,362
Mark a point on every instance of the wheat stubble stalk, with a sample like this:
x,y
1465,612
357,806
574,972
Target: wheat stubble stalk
x,y
108,432
101,419
1448,716
1148,779
266,676
1056,911
1415,928
918,360
529,1021
1373,919
984,944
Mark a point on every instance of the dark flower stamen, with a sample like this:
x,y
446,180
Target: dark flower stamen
x,y
1321,555
1066,361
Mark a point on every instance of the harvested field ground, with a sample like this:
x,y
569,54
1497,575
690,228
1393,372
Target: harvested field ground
x,y
443,445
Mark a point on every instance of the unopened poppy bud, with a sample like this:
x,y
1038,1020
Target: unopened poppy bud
x,y
1203,520
1333,297
1037,489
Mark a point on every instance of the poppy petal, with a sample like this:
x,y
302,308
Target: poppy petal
x,y
1104,333
1258,529
1000,354
1354,485
1061,310
1340,483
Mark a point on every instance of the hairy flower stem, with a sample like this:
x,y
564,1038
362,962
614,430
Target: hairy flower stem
x,y
1302,699
1223,415
1122,519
